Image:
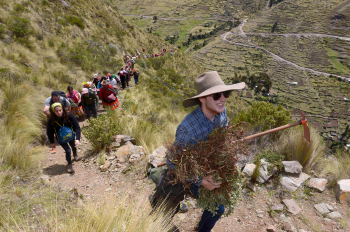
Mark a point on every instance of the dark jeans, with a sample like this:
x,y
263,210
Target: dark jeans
x,y
174,193
208,220
69,151
122,80
136,78
88,109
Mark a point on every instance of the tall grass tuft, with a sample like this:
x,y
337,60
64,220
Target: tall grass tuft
x,y
295,147
117,214
335,167
20,127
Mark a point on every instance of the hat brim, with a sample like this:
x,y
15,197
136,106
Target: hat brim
x,y
216,89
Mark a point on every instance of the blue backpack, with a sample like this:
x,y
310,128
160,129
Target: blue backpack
x,y
65,134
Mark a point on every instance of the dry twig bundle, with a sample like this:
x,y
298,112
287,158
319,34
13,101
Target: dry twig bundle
x,y
216,156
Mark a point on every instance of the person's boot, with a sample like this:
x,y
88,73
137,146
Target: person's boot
x,y
75,156
70,168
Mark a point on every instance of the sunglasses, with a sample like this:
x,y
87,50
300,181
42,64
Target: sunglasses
x,y
217,96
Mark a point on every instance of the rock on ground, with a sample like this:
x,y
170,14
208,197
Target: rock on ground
x,y
248,170
271,228
293,167
292,206
323,208
157,156
334,216
293,182
342,190
318,183
277,207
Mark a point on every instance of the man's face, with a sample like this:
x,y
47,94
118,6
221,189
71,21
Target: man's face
x,y
215,107
56,98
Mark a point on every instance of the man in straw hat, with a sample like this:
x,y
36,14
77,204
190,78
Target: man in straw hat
x,y
210,113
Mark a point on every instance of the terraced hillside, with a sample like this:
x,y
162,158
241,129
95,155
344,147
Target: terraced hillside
x,y
307,55
183,17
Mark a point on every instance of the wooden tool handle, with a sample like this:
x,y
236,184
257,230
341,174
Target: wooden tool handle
x,y
273,130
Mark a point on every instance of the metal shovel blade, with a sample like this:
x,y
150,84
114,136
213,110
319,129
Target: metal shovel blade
x,y
306,132
306,128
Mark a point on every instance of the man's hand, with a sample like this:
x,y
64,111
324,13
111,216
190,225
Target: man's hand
x,y
208,183
77,143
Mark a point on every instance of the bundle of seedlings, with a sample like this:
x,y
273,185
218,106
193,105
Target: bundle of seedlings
x,y
215,156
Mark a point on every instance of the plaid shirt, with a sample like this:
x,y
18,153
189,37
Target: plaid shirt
x,y
196,127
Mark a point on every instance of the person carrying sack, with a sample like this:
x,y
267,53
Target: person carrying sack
x,y
65,126
108,96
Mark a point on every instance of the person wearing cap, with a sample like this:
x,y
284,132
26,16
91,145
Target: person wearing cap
x,y
108,95
60,117
88,101
96,79
210,113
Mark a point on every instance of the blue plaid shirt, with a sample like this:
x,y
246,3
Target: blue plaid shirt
x,y
196,127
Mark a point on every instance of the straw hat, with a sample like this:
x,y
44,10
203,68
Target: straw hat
x,y
209,83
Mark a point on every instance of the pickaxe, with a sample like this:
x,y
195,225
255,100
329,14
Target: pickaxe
x,y
303,122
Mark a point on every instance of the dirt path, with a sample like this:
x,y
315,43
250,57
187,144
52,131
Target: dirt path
x,y
87,178
276,57
299,35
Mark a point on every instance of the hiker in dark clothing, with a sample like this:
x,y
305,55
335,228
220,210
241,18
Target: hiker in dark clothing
x,y
88,101
122,76
136,76
59,120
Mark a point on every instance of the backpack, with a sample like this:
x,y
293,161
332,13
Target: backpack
x,y
65,134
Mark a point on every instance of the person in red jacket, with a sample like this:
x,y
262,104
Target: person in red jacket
x,y
108,95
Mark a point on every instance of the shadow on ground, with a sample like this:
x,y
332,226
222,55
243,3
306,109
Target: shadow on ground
x,y
54,170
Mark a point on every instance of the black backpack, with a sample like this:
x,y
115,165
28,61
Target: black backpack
x,y
60,93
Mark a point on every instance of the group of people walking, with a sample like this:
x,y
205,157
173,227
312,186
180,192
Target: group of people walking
x,y
63,110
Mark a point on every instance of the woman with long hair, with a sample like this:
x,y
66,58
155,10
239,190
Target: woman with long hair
x,y
65,126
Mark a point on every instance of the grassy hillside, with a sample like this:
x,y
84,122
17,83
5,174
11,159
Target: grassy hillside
x,y
47,45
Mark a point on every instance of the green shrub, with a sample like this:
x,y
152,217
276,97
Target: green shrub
x,y
20,8
265,115
272,157
20,27
100,131
75,21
